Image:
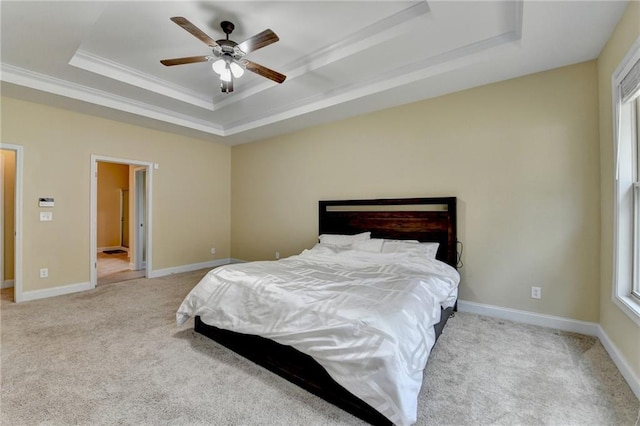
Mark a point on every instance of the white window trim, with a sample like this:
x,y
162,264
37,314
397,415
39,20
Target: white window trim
x,y
622,282
635,290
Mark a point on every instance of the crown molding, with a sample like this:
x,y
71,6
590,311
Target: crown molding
x,y
407,74
372,35
365,38
419,70
46,83
96,64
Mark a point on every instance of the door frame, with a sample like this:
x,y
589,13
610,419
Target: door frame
x,y
148,166
139,256
17,246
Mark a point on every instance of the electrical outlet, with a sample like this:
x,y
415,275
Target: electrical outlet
x,y
44,272
277,255
213,250
536,293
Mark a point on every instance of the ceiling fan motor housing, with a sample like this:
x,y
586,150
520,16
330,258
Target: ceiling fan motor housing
x,y
227,27
228,47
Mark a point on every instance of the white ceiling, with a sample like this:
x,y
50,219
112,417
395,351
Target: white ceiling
x,y
341,58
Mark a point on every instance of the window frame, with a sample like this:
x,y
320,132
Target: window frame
x,y
626,208
635,287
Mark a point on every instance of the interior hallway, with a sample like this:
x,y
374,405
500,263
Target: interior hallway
x,y
113,268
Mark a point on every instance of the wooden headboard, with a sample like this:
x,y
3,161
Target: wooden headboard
x,y
422,219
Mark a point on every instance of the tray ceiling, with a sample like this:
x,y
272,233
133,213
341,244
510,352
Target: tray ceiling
x,y
341,58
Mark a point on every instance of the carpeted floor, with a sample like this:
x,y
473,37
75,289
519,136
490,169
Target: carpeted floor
x,y
114,355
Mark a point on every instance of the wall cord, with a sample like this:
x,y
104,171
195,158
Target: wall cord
x,y
459,263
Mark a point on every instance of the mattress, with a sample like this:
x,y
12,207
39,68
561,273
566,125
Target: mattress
x,y
366,317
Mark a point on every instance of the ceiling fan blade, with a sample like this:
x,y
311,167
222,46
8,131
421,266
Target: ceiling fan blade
x,y
195,31
258,41
264,71
181,61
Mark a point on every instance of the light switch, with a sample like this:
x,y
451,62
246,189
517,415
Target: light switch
x,y
46,216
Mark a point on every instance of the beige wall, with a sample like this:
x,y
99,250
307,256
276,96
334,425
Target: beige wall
x,y
522,156
624,333
112,179
190,200
8,162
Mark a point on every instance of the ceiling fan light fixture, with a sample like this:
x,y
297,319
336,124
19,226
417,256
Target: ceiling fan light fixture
x,y
223,67
226,75
237,70
219,66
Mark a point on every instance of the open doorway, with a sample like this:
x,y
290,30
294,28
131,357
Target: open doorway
x,y
120,218
113,219
11,222
7,222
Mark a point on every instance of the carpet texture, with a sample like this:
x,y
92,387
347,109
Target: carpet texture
x,y
114,355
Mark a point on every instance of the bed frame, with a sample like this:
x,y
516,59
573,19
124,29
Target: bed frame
x,y
422,219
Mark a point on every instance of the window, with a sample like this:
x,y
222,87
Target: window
x,y
626,105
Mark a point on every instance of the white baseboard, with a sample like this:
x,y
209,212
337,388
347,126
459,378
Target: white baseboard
x,y
7,284
629,375
559,323
74,288
188,268
55,291
234,260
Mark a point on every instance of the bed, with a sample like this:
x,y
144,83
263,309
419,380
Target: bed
x,y
427,220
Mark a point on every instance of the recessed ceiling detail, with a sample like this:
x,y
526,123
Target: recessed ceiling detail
x,y
340,58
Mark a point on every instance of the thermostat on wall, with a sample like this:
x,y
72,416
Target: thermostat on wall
x,y
45,202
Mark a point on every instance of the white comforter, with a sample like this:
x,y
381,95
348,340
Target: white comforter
x,y
367,318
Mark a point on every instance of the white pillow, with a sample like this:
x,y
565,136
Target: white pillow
x,y
328,249
373,245
412,247
396,246
343,240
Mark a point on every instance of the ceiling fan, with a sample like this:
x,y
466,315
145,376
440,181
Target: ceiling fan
x,y
227,55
